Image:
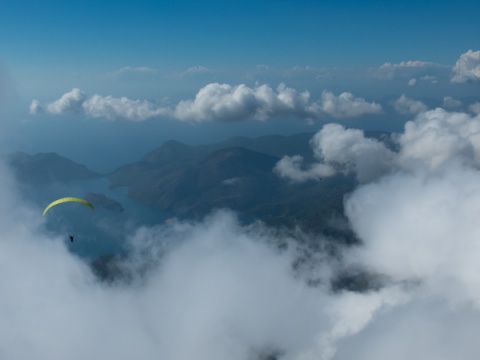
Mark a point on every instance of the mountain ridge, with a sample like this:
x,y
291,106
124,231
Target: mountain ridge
x,y
190,181
47,167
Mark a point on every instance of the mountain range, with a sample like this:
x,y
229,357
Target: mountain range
x,y
191,181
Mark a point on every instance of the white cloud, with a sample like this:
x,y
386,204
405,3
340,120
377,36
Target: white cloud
x,y
430,78
449,102
416,331
36,107
352,151
69,103
406,64
217,102
343,106
197,69
390,71
405,105
467,68
223,102
232,181
436,209
77,102
433,139
437,137
121,108
412,82
290,167
338,149
475,107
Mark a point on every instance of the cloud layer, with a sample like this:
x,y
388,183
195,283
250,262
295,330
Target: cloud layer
x,y
216,102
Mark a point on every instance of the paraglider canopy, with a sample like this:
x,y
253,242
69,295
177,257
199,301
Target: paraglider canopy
x,y
65,200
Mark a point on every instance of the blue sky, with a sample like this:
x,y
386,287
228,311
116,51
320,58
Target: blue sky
x,y
160,55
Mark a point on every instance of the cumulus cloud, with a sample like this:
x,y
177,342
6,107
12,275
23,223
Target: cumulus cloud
x,y
437,137
117,108
433,139
350,151
345,105
77,102
216,102
223,102
405,105
338,149
229,103
467,68
412,82
69,103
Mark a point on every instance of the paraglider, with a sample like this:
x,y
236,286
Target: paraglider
x,y
65,200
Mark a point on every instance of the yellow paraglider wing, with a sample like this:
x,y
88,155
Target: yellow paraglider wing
x,y
67,199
